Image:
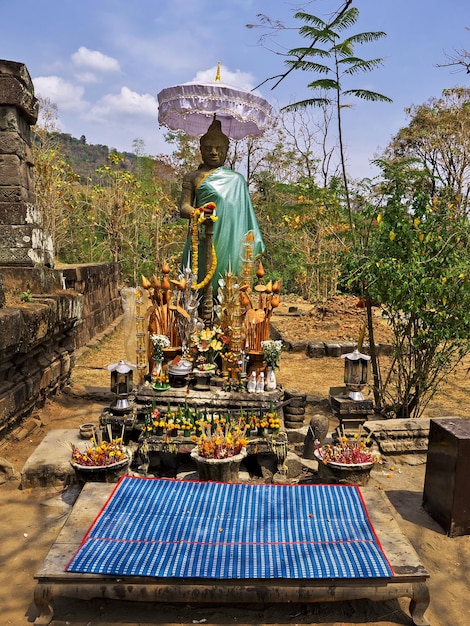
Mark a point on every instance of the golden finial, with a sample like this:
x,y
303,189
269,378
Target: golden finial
x,y
217,76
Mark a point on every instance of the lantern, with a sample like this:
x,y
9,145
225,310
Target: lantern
x,y
356,369
121,382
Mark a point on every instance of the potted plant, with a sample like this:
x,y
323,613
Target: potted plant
x,y
219,450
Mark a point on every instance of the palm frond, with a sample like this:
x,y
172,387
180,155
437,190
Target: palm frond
x,y
324,83
311,19
324,36
360,65
309,52
346,20
365,94
304,104
309,66
367,37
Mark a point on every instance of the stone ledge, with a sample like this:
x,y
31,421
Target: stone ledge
x,y
49,464
402,435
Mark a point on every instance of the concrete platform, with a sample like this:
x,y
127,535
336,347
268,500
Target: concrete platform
x,y
49,465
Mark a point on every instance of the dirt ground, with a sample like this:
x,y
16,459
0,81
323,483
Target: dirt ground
x,y
31,519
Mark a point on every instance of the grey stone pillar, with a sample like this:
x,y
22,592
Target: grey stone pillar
x,y
23,241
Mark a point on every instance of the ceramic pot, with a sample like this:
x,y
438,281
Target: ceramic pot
x,y
86,431
271,382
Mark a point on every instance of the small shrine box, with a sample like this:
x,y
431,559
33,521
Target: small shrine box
x,y
446,494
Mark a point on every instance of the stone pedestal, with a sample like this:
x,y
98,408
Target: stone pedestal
x,y
351,413
446,494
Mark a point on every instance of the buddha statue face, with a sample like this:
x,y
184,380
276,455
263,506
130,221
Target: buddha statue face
x,y
214,146
214,151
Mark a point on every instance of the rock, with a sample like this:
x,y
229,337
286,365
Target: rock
x,y
7,471
294,410
310,464
295,403
294,465
316,349
295,393
319,425
293,425
294,419
333,349
399,435
268,465
297,435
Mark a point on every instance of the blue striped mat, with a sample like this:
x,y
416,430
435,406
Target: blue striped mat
x,y
175,529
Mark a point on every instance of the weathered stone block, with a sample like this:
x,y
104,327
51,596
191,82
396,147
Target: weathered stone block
x,y
10,195
294,465
316,349
11,143
10,120
16,88
399,435
347,346
12,170
19,212
333,349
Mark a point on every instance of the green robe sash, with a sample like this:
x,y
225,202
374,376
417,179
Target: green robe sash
x,y
236,216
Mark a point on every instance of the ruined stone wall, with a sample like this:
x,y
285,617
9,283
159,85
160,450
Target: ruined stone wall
x,y
68,306
39,339
98,285
23,240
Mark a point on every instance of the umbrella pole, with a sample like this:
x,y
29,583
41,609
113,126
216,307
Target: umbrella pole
x,y
207,300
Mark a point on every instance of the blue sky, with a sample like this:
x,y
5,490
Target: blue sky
x,y
103,62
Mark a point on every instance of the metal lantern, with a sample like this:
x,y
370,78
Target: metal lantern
x,y
356,370
121,382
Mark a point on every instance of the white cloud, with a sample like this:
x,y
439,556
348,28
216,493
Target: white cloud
x,y
86,77
62,93
243,80
95,60
127,102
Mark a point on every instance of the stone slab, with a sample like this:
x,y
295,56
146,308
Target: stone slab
x,y
49,464
401,435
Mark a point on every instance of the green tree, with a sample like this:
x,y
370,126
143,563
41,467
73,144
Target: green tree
x,y
413,256
438,138
303,229
335,61
54,179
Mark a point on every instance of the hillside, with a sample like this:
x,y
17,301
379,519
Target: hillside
x,y
86,158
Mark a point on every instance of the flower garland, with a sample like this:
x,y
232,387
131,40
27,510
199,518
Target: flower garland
x,y
199,217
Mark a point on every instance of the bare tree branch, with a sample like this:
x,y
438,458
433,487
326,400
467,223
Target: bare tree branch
x,y
461,60
279,25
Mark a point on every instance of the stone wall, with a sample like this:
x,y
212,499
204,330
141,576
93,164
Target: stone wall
x,y
38,339
23,240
